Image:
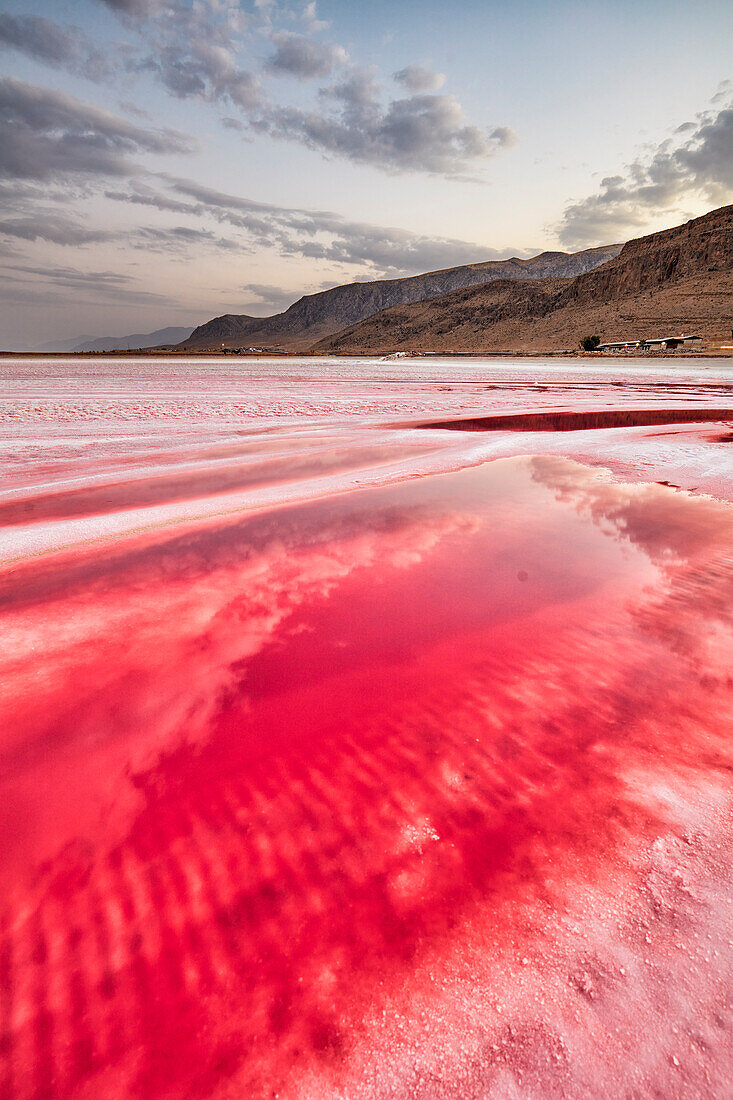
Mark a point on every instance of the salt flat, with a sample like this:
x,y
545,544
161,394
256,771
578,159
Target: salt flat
x,y
345,756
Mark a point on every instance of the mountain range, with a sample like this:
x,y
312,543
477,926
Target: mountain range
x,y
678,280
316,316
171,335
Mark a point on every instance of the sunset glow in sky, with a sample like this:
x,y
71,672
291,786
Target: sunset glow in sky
x,y
164,161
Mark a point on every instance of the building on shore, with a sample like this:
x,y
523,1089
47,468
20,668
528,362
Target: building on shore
x,y
667,343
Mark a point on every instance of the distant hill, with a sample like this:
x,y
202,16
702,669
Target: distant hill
x,y
60,345
171,335
678,280
316,316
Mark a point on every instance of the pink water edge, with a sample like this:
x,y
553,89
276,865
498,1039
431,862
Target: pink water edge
x,y
346,758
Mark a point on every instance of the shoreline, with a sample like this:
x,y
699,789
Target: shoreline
x,y
708,353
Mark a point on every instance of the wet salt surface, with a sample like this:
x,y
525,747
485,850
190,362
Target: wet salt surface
x,y
337,764
101,444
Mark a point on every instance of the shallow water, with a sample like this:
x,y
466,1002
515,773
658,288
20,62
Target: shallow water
x,y
339,762
273,779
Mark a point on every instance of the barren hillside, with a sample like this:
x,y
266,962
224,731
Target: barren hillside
x,y
677,280
318,315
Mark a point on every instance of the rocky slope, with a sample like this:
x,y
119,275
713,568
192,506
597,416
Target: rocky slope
x,y
677,280
319,315
648,263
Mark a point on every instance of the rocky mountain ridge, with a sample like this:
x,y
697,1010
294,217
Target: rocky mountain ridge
x,y
316,316
678,279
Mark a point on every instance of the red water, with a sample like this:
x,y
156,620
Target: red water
x,y
407,792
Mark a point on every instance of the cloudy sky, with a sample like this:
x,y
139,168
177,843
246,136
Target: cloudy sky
x,y
164,161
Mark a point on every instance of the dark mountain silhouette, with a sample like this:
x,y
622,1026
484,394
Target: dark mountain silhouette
x,y
170,335
162,336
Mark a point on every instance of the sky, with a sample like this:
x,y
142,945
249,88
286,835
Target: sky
x,y
166,161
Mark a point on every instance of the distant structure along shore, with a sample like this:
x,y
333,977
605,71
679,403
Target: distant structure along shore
x,y
667,342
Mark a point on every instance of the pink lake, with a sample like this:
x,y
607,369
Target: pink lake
x,y
346,759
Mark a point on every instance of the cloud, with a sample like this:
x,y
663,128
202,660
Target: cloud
x,y
700,166
418,78
73,276
504,137
55,228
420,133
723,91
357,95
195,53
192,49
132,109
138,9
29,283
305,58
59,229
391,252
181,238
45,133
205,71
378,250
143,195
60,47
310,18
273,298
